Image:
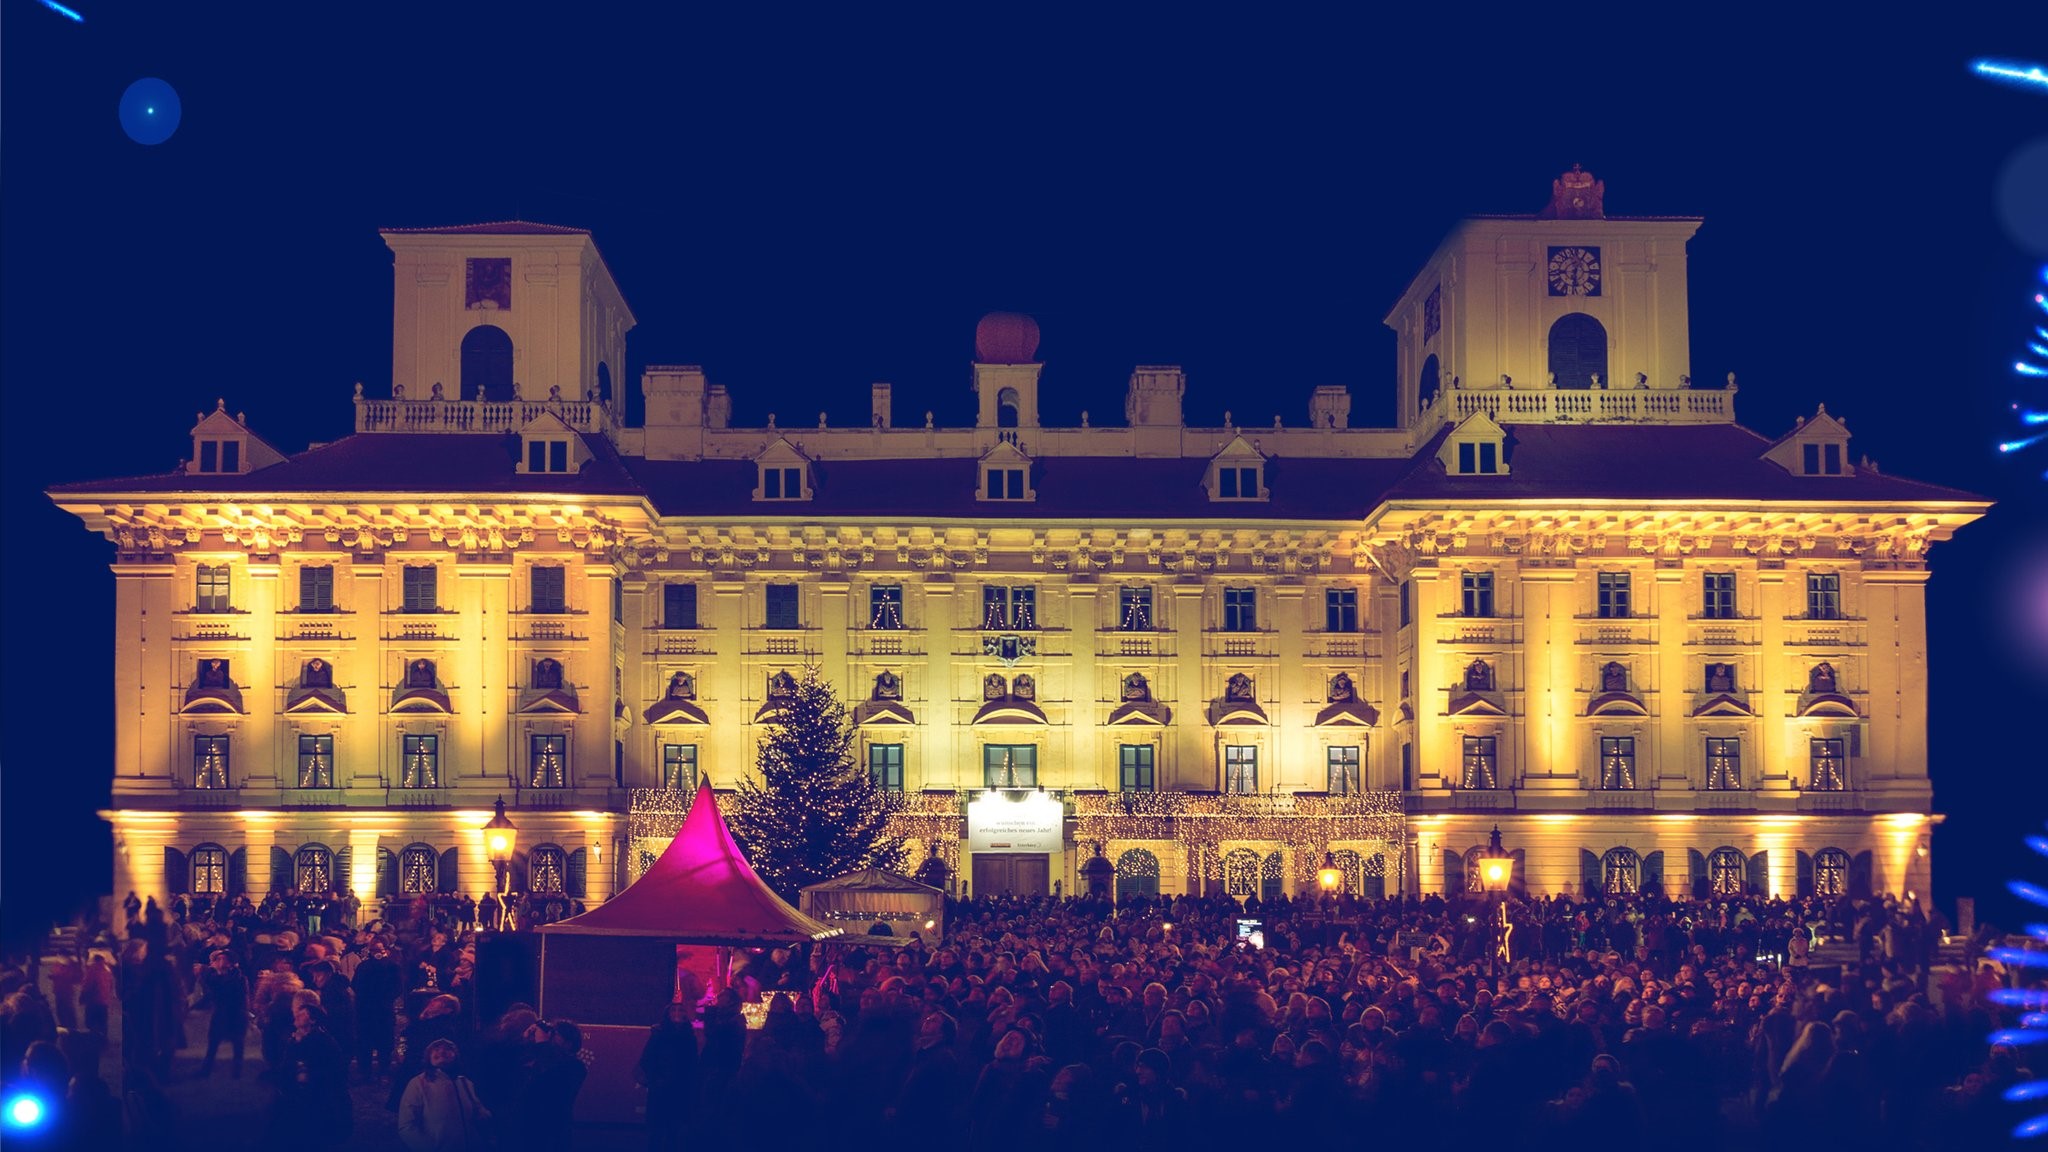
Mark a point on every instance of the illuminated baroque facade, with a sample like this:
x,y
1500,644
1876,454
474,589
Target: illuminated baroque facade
x,y
1567,595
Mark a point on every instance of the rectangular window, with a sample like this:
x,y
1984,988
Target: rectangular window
x,y
209,455
1340,609
558,455
1241,768
1831,459
1830,767
782,483
1134,767
316,588
1810,458
1404,603
1006,483
1009,765
536,456
210,762
1343,766
1824,595
1468,458
316,761
1489,458
885,766
419,761
1005,606
547,760
419,588
1719,590
1134,609
550,588
1407,767
1617,762
678,605
679,767
885,606
1478,587
1724,764
1240,610
1613,604
782,606
1237,483
1480,766
213,588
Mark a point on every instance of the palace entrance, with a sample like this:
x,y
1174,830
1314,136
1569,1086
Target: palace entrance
x,y
1012,874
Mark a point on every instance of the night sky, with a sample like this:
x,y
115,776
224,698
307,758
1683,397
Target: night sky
x,y
805,202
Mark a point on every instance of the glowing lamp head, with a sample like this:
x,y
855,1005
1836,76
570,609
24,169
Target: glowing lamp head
x,y
1329,877
500,836
25,1111
930,924
1495,865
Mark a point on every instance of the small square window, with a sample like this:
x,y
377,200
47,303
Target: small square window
x,y
782,483
1005,484
1237,483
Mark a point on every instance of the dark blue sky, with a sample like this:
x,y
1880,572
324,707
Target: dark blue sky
x,y
807,201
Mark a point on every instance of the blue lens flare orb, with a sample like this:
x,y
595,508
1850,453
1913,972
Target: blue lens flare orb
x,y
149,111
2030,1030
23,1112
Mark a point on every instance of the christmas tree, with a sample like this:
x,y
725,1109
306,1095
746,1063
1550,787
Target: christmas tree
x,y
815,813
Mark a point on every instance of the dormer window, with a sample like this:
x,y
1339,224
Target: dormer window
x,y
1478,447
1478,459
784,473
1237,483
1005,474
782,483
547,455
1821,459
1238,472
220,455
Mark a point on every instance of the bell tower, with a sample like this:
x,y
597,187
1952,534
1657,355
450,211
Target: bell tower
x,y
1566,299
1006,372
506,311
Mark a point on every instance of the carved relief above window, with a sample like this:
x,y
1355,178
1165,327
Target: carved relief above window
x,y
994,687
547,673
1341,689
1613,677
1024,688
682,686
888,686
1240,687
1136,688
781,686
1479,676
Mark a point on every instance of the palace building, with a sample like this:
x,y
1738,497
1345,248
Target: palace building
x,y
1566,596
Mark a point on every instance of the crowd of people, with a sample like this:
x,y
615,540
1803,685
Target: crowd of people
x,y
1046,1022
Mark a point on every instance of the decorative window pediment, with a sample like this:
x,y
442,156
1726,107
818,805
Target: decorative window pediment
x,y
1477,447
679,704
1005,474
1478,704
1010,710
213,690
1723,704
1815,447
1352,713
782,472
1238,472
420,690
316,691
549,445
1615,697
1239,703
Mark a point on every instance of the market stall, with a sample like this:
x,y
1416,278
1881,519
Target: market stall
x,y
859,900
617,967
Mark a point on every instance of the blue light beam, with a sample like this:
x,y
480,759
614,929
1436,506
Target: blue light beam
x,y
61,10
2017,75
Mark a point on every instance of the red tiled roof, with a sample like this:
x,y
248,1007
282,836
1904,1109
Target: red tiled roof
x,y
1559,462
495,228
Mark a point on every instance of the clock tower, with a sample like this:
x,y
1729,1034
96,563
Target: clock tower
x,y
1568,298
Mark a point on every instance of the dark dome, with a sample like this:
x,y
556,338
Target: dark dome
x,y
1006,338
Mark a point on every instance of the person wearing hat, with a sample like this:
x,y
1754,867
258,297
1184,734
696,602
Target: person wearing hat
x,y
440,1111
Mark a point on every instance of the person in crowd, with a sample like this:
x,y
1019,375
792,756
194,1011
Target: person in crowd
x,y
668,1071
227,990
440,1111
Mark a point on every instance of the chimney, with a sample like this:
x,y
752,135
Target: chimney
x,y
879,400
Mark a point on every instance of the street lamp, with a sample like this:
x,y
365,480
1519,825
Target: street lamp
x,y
1495,868
499,837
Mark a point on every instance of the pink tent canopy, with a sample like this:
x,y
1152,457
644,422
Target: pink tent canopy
x,y
700,891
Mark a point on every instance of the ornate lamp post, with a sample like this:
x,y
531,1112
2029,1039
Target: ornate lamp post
x,y
1495,869
1329,877
500,835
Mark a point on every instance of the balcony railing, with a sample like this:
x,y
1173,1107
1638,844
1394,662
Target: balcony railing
x,y
1551,406
429,415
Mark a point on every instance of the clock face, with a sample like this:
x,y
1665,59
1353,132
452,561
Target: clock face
x,y
1574,271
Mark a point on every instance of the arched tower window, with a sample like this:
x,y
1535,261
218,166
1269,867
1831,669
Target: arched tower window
x,y
1426,387
487,363
1006,408
604,382
1578,351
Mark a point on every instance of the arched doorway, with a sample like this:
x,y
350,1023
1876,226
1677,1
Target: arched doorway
x,y
1137,874
1578,351
1426,387
487,363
